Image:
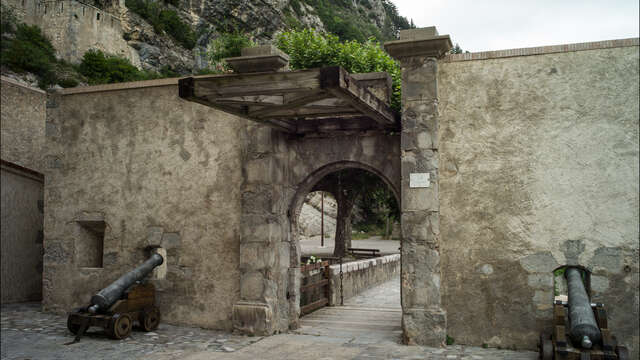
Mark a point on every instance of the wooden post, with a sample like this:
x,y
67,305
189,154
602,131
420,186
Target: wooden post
x,y
322,220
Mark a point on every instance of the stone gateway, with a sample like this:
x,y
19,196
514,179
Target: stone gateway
x,y
508,165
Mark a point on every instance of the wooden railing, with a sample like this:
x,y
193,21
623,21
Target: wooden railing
x,y
314,287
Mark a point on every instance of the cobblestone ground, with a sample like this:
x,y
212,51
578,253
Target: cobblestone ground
x,y
28,333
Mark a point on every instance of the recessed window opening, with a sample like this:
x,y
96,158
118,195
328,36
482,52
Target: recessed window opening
x,y
90,243
98,16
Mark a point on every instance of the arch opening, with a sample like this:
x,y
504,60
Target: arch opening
x,y
361,198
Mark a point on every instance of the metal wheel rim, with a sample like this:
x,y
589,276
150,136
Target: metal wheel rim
x,y
122,326
151,319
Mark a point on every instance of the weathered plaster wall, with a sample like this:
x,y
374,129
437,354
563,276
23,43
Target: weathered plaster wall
x,y
158,171
23,114
21,234
539,168
22,122
75,27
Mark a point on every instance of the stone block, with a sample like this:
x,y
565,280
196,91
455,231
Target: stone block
x,y
154,235
421,161
418,34
607,259
599,284
252,285
260,139
419,198
170,240
542,281
257,256
258,228
424,326
419,82
541,262
253,318
420,226
259,170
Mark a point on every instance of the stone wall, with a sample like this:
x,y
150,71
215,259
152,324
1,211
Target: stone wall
x,y
538,168
23,114
133,166
75,27
361,275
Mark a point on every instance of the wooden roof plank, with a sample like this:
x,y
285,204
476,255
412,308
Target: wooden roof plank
x,y
292,104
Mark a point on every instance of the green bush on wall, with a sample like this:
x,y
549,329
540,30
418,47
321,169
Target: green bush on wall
x,y
310,49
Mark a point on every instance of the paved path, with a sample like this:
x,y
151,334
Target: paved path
x,y
311,246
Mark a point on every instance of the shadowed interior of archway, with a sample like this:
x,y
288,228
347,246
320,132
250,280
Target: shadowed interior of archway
x,y
373,313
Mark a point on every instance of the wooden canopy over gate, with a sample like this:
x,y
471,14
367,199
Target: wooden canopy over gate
x,y
318,100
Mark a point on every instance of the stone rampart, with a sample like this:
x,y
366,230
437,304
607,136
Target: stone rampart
x,y
539,168
75,27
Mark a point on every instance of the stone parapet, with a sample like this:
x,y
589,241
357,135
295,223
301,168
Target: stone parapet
x,y
362,275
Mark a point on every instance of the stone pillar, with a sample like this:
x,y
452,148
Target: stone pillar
x,y
423,318
263,308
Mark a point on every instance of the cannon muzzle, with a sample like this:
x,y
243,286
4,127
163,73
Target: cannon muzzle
x,y
583,328
109,295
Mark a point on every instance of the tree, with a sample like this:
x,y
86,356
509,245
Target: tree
x,y
347,186
456,49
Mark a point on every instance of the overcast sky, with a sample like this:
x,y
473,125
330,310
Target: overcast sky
x,y
483,25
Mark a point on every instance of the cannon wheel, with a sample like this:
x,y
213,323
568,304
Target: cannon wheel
x,y
546,347
150,318
623,353
120,326
74,328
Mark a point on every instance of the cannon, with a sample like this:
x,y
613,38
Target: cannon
x,y
120,305
580,328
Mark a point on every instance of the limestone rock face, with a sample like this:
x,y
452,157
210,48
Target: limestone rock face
x,y
310,215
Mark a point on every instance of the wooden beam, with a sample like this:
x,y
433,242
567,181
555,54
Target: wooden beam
x,y
338,82
313,306
186,91
361,123
308,113
292,104
258,84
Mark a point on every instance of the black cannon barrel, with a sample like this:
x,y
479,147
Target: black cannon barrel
x,y
109,295
583,328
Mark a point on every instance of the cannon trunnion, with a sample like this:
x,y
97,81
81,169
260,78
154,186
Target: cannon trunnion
x,y
121,305
580,328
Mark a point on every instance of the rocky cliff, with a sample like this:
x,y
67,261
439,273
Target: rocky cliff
x,y
175,34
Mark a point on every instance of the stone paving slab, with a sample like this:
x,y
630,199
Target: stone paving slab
x,y
289,346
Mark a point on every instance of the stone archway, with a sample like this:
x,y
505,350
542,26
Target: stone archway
x,y
389,175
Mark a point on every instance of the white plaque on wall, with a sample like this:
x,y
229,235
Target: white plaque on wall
x,y
419,180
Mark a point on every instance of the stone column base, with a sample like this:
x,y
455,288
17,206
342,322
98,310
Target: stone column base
x,y
253,318
424,327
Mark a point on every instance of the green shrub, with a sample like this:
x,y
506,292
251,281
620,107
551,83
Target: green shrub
x,y
227,45
30,51
99,68
450,340
309,49
164,20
